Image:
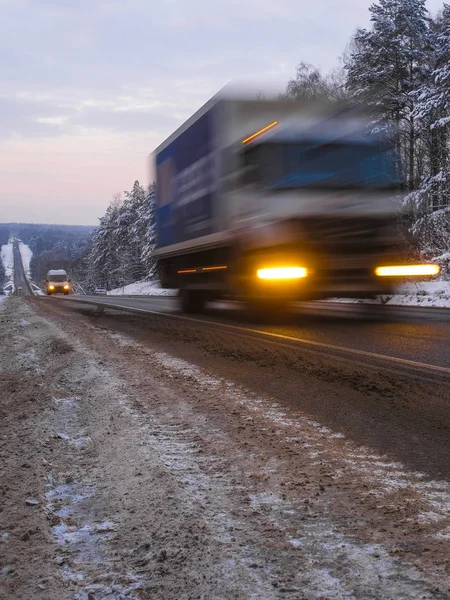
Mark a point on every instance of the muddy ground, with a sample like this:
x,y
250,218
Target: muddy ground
x,y
142,460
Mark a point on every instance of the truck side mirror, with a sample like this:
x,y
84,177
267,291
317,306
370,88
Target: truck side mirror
x,y
69,280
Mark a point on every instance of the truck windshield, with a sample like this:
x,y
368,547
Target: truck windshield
x,y
323,165
57,278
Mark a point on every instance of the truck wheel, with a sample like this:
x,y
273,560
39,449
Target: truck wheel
x,y
192,301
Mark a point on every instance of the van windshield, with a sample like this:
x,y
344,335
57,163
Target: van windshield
x,y
329,165
57,278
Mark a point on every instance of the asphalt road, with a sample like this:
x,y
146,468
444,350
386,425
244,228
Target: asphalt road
x,y
20,280
405,337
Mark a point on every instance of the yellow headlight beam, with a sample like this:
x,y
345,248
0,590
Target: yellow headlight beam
x,y
407,270
263,130
282,273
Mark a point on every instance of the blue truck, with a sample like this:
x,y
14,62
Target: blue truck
x,y
274,201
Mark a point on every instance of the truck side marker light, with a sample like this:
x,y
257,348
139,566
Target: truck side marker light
x,y
282,273
220,268
252,137
187,271
407,270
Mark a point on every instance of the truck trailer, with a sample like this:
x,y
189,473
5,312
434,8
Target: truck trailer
x,y
274,201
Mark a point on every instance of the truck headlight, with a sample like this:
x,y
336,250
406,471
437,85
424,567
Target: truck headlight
x,y
66,287
51,287
282,273
407,270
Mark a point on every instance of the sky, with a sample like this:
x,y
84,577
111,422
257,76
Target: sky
x,y
88,88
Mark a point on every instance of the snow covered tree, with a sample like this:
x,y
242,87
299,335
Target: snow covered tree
x,y
386,68
310,84
147,219
121,249
430,203
2,273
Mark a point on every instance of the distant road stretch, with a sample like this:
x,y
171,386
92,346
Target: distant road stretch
x,y
21,284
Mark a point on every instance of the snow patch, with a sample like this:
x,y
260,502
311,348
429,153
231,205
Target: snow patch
x,y
26,255
80,537
143,288
425,294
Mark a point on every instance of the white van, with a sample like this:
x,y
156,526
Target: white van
x,y
57,282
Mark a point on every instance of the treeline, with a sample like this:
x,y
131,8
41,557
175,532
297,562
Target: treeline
x,y
54,247
4,235
120,251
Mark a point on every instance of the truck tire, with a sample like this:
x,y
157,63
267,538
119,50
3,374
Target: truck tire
x,y
192,301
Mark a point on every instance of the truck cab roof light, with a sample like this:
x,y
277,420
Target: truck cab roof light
x,y
258,133
218,268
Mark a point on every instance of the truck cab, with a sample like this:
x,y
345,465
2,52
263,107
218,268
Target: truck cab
x,y
57,282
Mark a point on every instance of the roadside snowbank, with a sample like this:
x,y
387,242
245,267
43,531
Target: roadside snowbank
x,y
142,288
431,293
26,255
426,293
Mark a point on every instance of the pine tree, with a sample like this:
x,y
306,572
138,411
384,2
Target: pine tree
x,y
2,274
121,249
430,203
385,69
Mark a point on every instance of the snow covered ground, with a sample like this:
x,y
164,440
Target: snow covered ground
x,y
143,288
431,293
427,294
26,254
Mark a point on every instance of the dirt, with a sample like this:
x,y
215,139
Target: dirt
x,y
130,471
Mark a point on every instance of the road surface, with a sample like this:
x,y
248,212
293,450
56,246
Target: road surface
x,y
21,284
418,335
